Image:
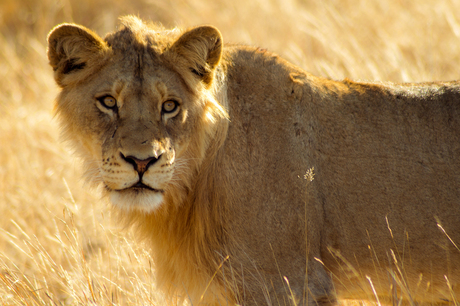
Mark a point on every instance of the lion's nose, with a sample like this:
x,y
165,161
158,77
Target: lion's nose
x,y
140,165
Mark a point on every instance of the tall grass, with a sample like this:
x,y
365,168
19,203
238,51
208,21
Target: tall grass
x,y
57,245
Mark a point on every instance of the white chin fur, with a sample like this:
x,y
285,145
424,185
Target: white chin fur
x,y
145,201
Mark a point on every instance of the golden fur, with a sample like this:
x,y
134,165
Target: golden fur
x,y
203,147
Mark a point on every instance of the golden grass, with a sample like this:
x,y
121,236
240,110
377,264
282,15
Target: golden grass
x,y
57,245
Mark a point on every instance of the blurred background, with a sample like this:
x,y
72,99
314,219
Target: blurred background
x,y
57,244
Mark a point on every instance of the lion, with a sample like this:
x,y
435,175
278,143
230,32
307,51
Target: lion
x,y
203,148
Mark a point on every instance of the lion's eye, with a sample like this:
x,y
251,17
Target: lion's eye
x,y
169,106
108,102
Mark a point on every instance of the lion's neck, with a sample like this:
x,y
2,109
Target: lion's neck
x,y
190,235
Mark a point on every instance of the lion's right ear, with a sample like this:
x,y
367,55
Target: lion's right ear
x,y
74,52
199,51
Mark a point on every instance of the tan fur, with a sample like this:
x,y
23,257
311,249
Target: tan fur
x,y
227,211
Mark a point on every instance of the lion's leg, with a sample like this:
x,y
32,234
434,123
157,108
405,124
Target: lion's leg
x,y
319,290
320,287
292,289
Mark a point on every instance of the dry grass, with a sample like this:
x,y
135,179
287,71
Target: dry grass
x,y
57,244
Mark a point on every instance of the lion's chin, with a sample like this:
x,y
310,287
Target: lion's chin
x,y
145,200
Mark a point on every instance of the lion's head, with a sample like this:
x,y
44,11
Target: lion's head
x,y
138,106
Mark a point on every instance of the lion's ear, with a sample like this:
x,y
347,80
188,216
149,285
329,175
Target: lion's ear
x,y
201,48
72,50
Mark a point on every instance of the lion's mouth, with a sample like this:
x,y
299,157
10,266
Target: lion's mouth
x,y
142,186
139,186
138,196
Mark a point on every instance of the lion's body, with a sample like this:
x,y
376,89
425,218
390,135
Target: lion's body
x,y
226,208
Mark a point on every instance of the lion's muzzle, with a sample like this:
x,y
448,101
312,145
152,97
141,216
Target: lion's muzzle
x,y
140,165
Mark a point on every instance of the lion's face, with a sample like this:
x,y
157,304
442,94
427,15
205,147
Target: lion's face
x,y
130,111
138,126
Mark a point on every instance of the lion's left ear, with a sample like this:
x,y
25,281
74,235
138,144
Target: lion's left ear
x,y
74,52
201,48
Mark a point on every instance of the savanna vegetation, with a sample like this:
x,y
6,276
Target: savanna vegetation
x,y
57,243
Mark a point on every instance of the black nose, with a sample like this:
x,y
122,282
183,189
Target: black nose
x,y
140,165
